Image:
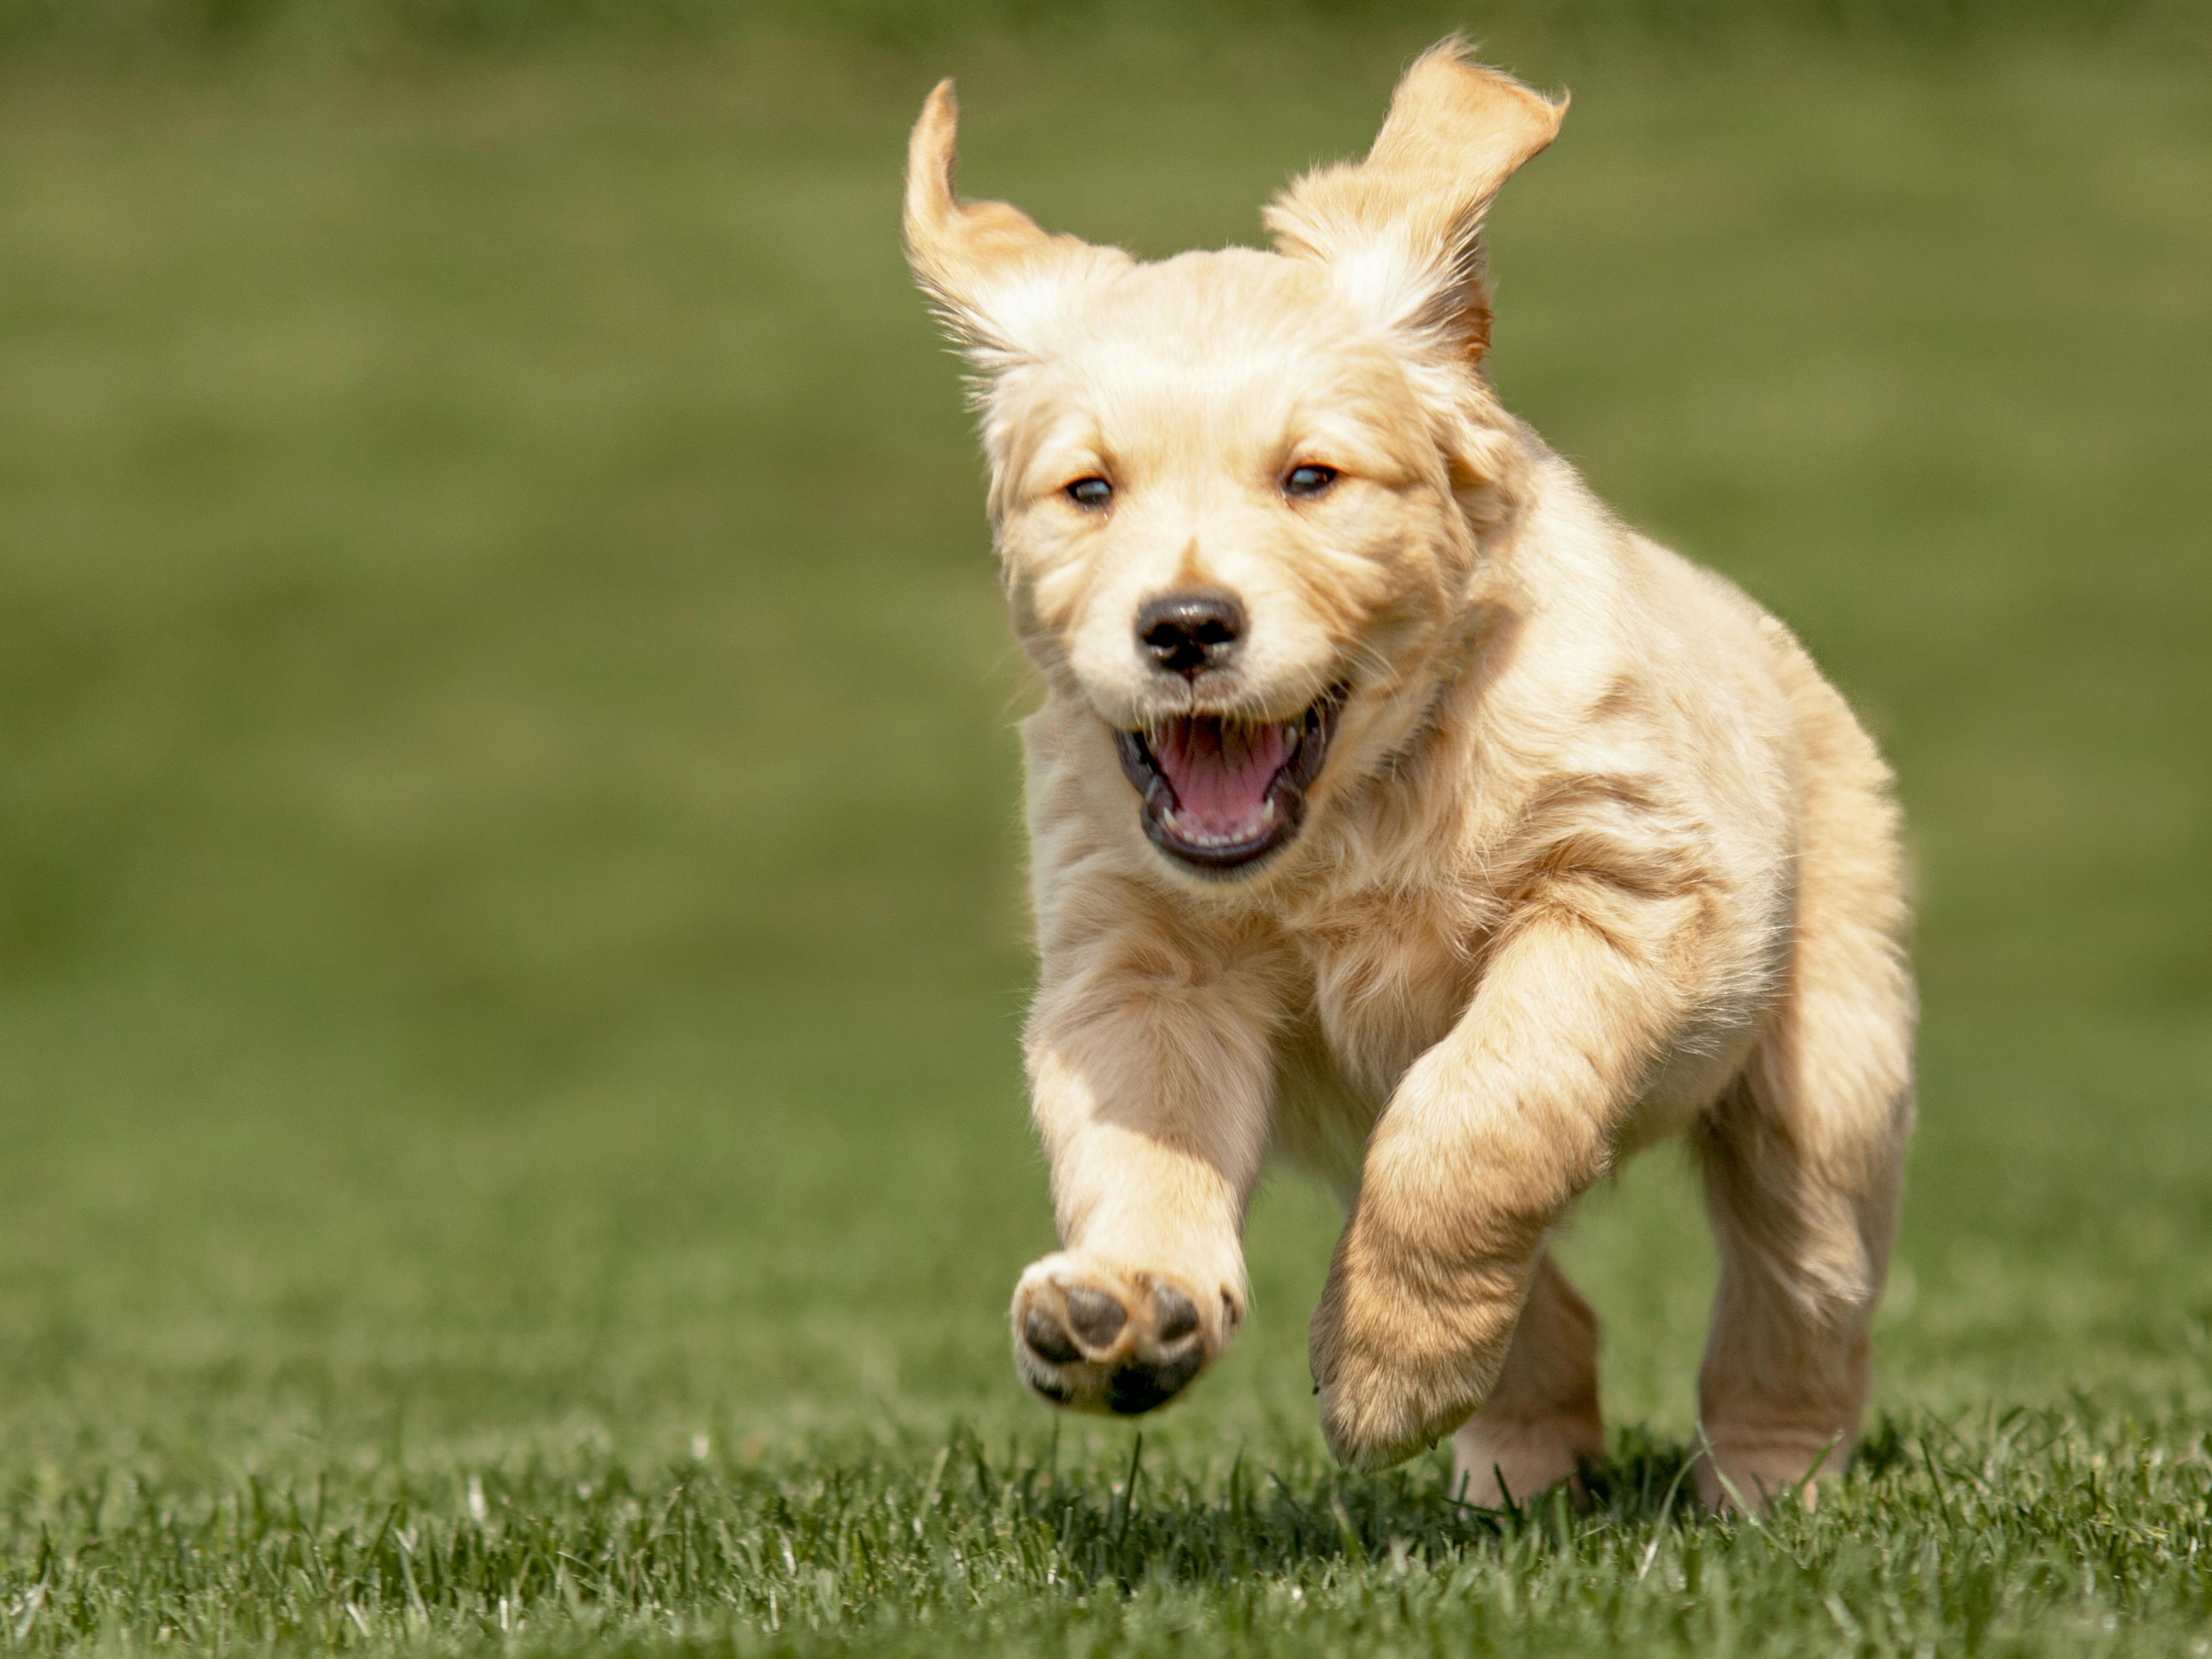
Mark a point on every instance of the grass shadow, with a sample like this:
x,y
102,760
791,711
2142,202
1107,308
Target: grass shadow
x,y
1173,1524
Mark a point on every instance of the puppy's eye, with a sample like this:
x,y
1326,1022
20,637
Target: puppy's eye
x,y
1088,492
1308,480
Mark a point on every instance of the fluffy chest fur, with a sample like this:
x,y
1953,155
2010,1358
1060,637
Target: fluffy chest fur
x,y
1373,982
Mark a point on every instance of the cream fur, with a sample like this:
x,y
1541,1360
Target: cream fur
x,y
1596,857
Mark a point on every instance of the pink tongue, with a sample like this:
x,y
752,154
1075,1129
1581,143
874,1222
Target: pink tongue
x,y
1220,774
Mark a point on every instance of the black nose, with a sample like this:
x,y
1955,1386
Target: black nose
x,y
1189,632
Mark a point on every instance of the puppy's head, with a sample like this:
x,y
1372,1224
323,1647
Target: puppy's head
x,y
1238,494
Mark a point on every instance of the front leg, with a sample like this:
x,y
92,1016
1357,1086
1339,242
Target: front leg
x,y
1487,1140
1150,1061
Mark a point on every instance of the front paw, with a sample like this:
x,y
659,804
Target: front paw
x,y
1378,1408
1396,1369
1107,1338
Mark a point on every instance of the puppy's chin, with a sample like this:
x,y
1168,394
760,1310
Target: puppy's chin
x,y
1221,796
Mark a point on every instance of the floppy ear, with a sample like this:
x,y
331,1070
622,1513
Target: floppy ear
x,y
1400,231
998,282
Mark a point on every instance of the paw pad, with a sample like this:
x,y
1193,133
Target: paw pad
x,y
1106,1341
1178,1317
1047,1340
1096,1317
1138,1387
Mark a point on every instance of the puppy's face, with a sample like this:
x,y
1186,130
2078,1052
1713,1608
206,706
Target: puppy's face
x,y
1230,489
1224,521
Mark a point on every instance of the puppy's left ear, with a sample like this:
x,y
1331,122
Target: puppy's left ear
x,y
999,282
1401,232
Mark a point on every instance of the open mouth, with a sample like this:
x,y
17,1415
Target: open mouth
x,y
1221,793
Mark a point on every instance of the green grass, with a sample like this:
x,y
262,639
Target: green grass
x,y
510,898
107,30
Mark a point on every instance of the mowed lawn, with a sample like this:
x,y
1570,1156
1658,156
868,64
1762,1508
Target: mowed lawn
x,y
511,910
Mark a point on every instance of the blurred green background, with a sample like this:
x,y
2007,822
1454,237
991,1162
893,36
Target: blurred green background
x,y
510,918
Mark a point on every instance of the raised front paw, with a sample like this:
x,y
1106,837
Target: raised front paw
x,y
1107,1338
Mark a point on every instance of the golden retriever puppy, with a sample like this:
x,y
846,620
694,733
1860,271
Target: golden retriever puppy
x,y
1396,809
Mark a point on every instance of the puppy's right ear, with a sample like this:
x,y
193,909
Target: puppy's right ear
x,y
1000,283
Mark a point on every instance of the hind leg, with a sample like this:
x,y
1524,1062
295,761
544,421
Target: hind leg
x,y
1802,1159
1541,1421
